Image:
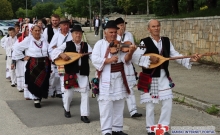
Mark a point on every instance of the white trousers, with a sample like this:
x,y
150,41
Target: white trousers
x,y
54,82
131,102
7,69
19,71
11,71
27,93
165,115
111,115
84,106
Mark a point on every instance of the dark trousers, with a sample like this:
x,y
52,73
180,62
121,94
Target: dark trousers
x,y
96,30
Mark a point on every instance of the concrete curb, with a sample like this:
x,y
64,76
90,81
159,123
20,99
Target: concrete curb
x,y
84,37
194,102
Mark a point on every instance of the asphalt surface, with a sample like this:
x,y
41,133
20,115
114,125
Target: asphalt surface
x,y
19,116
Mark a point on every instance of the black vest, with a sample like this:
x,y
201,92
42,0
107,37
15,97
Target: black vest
x,y
74,67
50,33
151,48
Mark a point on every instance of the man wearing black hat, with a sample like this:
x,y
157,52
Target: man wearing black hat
x,y
63,35
124,36
113,85
75,78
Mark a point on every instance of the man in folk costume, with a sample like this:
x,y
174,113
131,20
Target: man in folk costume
x,y
75,78
38,67
155,84
21,65
113,86
48,34
63,35
8,47
125,36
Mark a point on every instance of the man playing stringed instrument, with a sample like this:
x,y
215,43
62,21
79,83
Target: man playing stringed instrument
x,y
155,84
125,36
75,78
113,86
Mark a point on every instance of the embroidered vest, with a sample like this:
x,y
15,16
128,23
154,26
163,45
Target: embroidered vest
x,y
74,67
151,48
50,33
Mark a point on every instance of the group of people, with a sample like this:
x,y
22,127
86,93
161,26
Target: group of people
x,y
31,56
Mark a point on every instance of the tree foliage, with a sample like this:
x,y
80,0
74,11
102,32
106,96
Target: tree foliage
x,y
58,11
44,9
6,11
162,7
16,4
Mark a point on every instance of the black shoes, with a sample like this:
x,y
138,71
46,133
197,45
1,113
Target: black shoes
x,y
85,119
21,90
59,95
108,134
136,115
37,103
67,114
118,133
151,133
12,85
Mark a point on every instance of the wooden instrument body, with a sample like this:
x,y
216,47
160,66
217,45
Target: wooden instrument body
x,y
161,60
73,57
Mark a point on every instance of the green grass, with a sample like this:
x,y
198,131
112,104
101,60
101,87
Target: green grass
x,y
212,110
197,13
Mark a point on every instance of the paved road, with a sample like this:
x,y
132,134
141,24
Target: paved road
x,y
19,117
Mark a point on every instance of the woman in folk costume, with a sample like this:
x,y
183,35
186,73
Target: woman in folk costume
x,y
75,78
113,86
38,66
20,65
156,84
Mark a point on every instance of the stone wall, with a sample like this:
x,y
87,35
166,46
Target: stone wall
x,y
188,35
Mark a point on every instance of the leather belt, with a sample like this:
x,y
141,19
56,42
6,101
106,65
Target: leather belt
x,y
119,67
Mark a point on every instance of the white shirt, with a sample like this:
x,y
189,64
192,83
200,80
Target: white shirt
x,y
32,48
9,42
165,91
128,37
111,86
3,41
129,70
58,39
83,81
45,35
96,22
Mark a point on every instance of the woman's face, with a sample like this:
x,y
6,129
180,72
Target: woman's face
x,y
40,24
36,32
26,31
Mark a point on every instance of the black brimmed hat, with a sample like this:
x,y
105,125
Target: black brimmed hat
x,y
119,21
111,24
64,20
76,28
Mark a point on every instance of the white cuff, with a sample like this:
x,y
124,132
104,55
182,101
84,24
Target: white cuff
x,y
144,61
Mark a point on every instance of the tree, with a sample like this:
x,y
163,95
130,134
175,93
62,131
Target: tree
x,y
16,4
21,13
5,10
58,11
175,9
162,7
190,5
44,9
212,3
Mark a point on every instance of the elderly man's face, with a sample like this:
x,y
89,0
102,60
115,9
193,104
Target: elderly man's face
x,y
154,28
64,27
110,34
77,36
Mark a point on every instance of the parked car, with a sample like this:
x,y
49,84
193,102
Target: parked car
x,y
76,23
87,23
3,29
